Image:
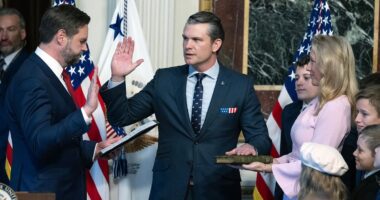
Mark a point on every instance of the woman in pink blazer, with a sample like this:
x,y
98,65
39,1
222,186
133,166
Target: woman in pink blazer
x,y
327,119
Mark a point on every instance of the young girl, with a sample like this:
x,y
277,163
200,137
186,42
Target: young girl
x,y
369,140
322,167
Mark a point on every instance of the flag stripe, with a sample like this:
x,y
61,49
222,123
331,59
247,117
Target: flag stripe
x,y
277,111
91,188
94,134
9,156
263,190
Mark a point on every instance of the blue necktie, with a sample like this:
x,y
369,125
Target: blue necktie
x,y
196,111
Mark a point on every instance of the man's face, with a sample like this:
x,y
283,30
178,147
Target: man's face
x,y
198,49
75,46
306,91
12,36
315,72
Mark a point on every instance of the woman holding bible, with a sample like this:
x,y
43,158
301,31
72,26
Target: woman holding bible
x,y
327,118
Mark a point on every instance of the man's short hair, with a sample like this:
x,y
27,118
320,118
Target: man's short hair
x,y
12,11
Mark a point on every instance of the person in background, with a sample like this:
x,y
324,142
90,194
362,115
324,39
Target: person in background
x,y
327,119
369,140
306,92
202,107
12,55
322,166
367,107
50,154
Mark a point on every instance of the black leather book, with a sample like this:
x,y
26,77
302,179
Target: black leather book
x,y
129,137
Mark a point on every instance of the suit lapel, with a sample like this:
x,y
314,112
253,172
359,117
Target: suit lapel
x,y
181,101
15,65
54,81
221,89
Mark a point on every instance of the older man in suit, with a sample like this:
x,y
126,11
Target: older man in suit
x,y
202,107
47,127
13,54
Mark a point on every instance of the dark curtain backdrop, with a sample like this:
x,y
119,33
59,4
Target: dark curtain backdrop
x,y
32,11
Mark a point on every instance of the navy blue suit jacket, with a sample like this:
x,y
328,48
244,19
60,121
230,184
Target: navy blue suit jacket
x,y
368,188
288,117
49,153
4,129
181,154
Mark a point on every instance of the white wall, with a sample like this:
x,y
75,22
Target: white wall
x,y
162,22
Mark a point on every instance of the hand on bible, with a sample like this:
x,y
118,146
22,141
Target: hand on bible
x,y
103,144
245,149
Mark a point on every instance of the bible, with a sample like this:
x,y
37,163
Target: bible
x,y
129,137
238,159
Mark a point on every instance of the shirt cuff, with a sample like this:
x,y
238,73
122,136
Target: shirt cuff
x,y
85,117
112,84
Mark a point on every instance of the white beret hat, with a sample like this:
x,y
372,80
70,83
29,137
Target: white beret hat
x,y
323,158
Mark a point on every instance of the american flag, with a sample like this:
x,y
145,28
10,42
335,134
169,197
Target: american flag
x,y
319,23
59,2
97,178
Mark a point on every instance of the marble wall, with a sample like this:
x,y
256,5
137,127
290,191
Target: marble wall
x,y
276,28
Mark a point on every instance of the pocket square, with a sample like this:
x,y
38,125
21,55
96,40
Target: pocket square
x,y
228,110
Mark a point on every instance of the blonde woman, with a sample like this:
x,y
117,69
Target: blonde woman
x,y
327,119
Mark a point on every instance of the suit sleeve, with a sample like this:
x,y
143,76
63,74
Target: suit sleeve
x,y
32,106
123,111
252,121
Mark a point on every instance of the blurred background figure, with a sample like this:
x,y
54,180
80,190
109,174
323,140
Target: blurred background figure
x,y
12,55
369,140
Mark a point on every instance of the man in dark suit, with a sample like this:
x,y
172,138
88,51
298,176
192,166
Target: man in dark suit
x,y
13,53
201,106
47,127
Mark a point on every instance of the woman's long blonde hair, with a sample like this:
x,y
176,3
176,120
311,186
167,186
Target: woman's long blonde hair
x,y
336,62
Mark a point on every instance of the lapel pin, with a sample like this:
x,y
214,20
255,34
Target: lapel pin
x,y
222,83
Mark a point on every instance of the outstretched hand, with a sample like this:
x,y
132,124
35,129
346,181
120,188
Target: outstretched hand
x,y
122,63
258,167
92,95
